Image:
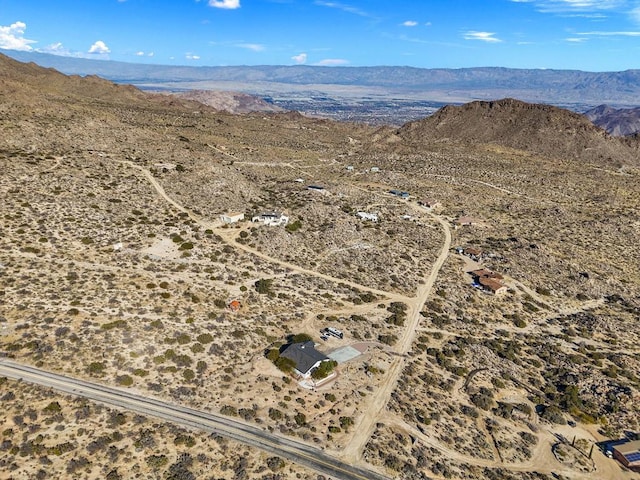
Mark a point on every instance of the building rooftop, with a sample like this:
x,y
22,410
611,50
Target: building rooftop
x,y
304,355
628,449
491,284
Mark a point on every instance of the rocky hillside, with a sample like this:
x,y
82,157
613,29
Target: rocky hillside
x,y
534,128
232,102
619,122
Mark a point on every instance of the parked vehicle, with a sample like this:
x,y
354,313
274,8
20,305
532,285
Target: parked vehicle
x,y
335,332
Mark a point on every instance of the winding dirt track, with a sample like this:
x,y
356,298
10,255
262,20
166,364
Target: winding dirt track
x,y
365,427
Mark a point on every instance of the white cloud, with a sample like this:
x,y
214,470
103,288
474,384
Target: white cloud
x,y
140,54
55,49
559,6
226,4
300,59
12,37
576,39
409,23
332,62
482,36
255,47
190,56
99,48
612,34
343,7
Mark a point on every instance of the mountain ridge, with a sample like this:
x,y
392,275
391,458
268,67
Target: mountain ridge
x,y
535,128
476,83
616,121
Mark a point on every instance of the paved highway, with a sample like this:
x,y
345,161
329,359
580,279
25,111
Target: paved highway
x,y
298,452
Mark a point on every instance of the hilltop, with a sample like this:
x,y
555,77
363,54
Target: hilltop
x,y
479,265
538,129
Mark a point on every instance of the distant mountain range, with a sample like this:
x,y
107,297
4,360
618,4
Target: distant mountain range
x,y
376,95
572,88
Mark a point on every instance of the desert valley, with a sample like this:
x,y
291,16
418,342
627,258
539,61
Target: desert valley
x,y
457,298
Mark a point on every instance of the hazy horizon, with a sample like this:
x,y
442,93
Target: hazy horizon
x,y
591,35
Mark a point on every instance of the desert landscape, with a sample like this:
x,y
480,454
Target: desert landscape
x,y
490,317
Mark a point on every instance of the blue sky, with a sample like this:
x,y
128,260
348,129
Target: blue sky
x,y
563,34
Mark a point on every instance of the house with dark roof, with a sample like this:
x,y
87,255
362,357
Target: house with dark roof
x,y
305,356
485,272
399,194
628,454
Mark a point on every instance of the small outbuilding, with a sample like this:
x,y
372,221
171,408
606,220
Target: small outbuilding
x,y
372,217
305,357
465,221
229,218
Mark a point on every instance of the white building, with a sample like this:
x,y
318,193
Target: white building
x,y
372,217
231,217
271,219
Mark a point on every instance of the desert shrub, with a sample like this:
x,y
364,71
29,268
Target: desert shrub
x,y
330,397
388,339
205,338
293,226
519,322
124,380
229,410
53,407
275,464
346,422
285,364
156,462
300,419
114,324
484,402
275,414
300,337
553,414
324,369
96,368
264,286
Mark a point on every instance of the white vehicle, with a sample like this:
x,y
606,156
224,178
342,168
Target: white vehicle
x,y
335,332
